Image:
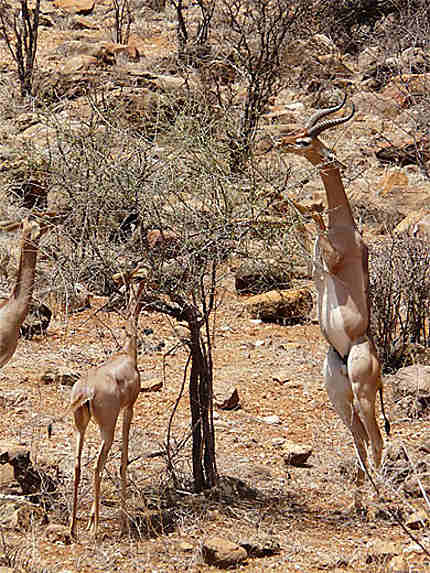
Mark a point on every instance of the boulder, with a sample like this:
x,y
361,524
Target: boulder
x,y
381,551
7,474
421,229
283,306
261,547
162,242
37,320
75,6
409,224
398,564
418,520
78,63
149,523
405,88
57,533
110,53
405,152
392,180
222,552
20,515
35,483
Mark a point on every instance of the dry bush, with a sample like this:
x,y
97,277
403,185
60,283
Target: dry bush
x,y
170,173
383,218
252,37
177,180
406,25
399,294
19,29
354,25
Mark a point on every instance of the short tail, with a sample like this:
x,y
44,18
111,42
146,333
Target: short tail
x,y
83,397
85,394
387,425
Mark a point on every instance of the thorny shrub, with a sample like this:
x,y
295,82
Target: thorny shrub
x,y
119,182
399,293
252,37
355,24
19,29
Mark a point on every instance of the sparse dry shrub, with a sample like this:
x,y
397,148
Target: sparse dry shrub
x,y
356,24
19,29
351,23
406,25
123,19
193,29
383,219
175,180
252,37
255,276
399,294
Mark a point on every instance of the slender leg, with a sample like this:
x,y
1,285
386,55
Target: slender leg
x,y
82,417
340,392
365,374
107,439
126,422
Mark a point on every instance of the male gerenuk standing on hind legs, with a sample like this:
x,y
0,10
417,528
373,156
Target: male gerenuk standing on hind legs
x,y
352,372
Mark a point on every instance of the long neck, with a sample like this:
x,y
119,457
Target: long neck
x,y
339,209
134,311
23,289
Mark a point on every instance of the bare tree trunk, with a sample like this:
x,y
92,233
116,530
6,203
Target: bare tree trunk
x,y
201,394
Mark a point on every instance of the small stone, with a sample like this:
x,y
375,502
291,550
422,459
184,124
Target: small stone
x,y
381,551
295,106
418,520
282,377
59,375
270,419
398,564
227,398
185,546
296,454
153,385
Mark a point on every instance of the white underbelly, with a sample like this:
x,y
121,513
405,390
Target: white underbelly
x,y
332,317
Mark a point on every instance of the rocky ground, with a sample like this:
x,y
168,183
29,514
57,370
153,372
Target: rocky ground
x,y
297,517
279,515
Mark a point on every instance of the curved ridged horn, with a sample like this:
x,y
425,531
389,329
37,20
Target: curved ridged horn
x,y
323,112
317,129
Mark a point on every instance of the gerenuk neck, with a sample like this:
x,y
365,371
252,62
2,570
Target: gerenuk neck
x,y
23,289
339,209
